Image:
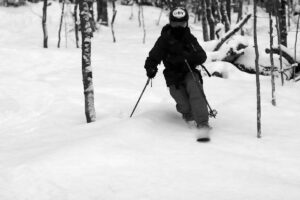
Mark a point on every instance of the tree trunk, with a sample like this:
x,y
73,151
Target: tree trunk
x,y
282,22
279,39
224,15
143,24
76,23
216,11
87,33
204,21
60,24
113,20
272,60
240,13
228,9
102,15
295,46
257,72
44,24
210,19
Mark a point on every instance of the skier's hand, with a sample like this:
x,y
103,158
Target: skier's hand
x,y
151,72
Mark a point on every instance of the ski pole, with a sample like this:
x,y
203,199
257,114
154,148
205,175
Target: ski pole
x,y
206,70
147,83
212,112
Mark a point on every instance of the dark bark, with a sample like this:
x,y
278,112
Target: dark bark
x,y
232,32
76,23
210,19
240,12
204,21
87,33
282,22
257,73
216,11
228,9
284,54
102,15
60,24
44,24
224,15
295,46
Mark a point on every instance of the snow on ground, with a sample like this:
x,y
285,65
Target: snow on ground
x,y
47,151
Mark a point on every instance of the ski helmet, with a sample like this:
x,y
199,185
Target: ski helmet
x,y
179,14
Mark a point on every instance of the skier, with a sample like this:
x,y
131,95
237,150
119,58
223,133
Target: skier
x,y
181,53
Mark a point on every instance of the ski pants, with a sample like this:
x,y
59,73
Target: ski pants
x,y
190,101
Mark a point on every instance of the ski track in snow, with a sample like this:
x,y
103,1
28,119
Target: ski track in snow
x,y
47,151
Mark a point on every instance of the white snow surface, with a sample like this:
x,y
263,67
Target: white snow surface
x,y
48,152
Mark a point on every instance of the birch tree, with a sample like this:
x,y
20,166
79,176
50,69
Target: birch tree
x,y
44,24
257,71
87,33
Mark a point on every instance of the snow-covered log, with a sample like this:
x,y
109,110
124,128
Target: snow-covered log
x,y
232,32
288,56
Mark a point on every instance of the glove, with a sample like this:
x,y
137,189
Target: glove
x,y
151,72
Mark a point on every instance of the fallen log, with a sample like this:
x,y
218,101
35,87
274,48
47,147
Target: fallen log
x,y
232,32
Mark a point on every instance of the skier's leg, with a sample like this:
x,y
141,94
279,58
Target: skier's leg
x,y
197,100
181,98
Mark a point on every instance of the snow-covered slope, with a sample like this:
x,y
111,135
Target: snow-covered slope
x,y
47,151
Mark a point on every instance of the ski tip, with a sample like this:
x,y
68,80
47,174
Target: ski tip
x,y
206,139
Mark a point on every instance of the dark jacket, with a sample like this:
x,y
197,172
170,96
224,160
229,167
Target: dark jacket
x,y
173,52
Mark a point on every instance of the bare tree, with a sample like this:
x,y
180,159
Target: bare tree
x,y
76,23
44,24
279,40
228,9
216,10
257,72
210,19
272,60
143,24
295,46
102,15
240,12
204,21
282,22
113,20
87,33
60,24
224,15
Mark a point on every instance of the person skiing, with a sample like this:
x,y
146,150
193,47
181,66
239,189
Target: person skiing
x,y
181,53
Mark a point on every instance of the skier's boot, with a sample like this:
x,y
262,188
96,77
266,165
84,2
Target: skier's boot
x,y
189,120
203,132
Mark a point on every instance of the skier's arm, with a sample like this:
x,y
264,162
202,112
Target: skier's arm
x,y
155,57
197,55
